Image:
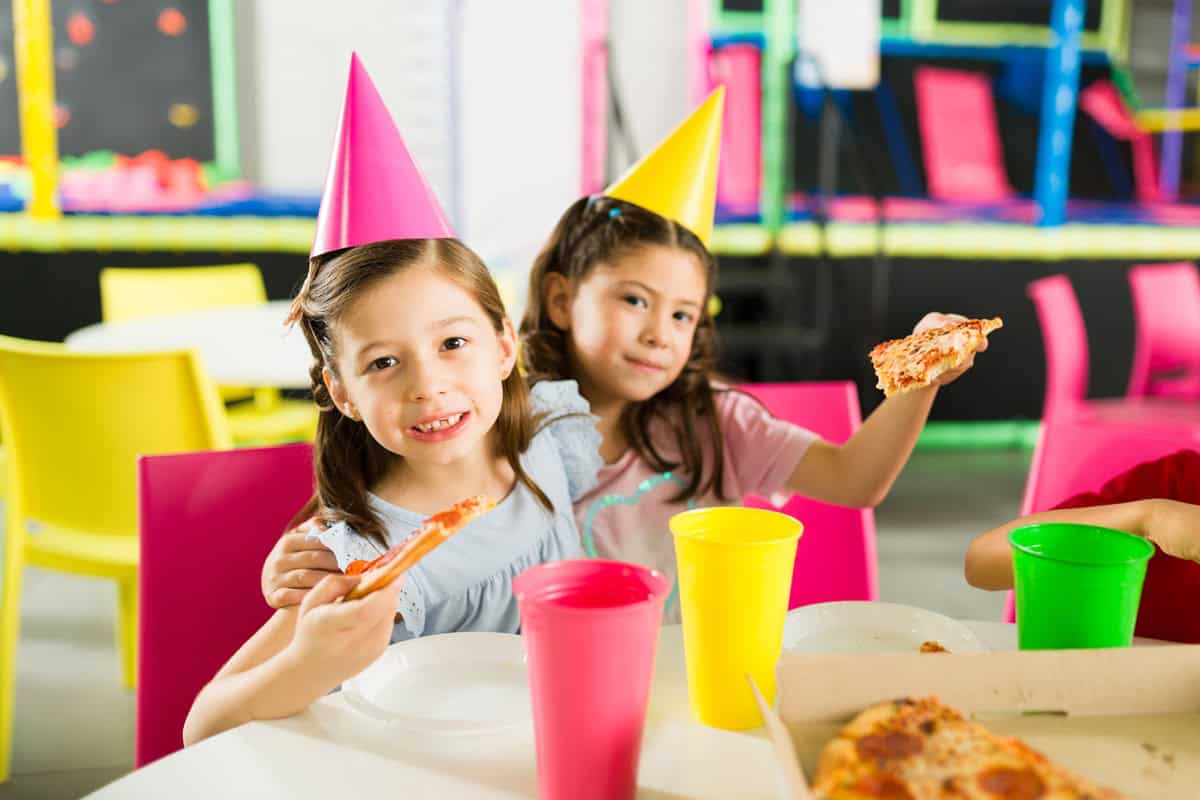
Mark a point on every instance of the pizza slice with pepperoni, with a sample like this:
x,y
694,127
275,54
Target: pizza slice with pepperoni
x,y
923,750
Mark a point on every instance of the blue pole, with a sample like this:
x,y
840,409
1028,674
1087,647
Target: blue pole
x,y
1172,142
1059,94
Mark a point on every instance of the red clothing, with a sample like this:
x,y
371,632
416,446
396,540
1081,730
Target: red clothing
x,y
1170,606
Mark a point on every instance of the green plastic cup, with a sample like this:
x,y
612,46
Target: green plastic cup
x,y
1077,585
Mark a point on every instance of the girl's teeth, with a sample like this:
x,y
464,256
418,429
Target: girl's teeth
x,y
437,425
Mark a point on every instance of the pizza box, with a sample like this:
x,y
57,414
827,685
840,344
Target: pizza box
x,y
1125,718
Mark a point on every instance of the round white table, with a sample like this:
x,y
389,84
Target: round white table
x,y
240,345
332,751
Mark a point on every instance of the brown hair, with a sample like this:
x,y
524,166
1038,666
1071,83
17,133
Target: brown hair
x,y
599,230
347,459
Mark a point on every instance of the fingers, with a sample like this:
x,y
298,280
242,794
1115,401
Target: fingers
x,y
329,589
286,598
298,541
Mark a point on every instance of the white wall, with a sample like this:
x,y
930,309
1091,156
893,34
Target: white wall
x,y
496,130
648,42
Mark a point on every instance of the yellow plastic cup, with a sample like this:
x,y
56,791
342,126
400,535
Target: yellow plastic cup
x,y
735,577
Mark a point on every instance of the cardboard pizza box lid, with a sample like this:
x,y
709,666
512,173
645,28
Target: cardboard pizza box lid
x,y
1126,718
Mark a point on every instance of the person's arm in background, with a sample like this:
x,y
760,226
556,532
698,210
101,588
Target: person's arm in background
x,y
1172,525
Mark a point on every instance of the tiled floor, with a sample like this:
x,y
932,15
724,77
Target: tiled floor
x,y
74,722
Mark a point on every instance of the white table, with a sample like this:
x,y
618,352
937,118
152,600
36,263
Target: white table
x,y
331,751
240,345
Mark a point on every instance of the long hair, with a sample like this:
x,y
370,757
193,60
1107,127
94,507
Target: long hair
x,y
600,230
347,459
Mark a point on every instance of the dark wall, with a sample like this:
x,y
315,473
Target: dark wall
x,y
1007,382
119,70
783,318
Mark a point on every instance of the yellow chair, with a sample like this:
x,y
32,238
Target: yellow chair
x,y
74,425
135,292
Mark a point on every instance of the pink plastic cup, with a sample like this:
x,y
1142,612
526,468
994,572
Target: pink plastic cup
x,y
591,631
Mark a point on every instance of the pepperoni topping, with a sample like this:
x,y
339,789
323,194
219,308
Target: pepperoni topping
x,y
1012,784
884,786
884,747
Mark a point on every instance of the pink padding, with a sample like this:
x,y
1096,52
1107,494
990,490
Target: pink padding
x,y
835,559
1103,103
739,176
960,140
207,521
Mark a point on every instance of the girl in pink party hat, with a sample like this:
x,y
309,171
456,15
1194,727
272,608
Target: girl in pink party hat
x,y
415,374
619,300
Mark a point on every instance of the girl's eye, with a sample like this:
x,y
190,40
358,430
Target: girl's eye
x,y
683,316
382,363
634,300
454,343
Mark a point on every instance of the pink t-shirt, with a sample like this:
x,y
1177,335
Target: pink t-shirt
x,y
625,515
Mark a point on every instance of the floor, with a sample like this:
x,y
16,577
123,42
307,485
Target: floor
x,y
74,722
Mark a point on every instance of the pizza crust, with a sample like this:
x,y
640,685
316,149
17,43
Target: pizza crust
x,y
905,365
910,749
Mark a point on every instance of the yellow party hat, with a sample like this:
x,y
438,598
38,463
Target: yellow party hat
x,y
678,179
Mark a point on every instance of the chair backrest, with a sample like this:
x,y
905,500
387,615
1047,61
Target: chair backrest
x,y
1064,340
208,521
835,559
1166,310
75,423
136,292
960,139
1074,456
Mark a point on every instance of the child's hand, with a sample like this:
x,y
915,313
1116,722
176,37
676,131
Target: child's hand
x,y
295,565
1175,528
936,319
336,639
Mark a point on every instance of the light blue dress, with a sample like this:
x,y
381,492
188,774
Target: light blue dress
x,y
465,584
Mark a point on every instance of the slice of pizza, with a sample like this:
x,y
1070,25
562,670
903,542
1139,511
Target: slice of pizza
x,y
910,749
433,531
903,365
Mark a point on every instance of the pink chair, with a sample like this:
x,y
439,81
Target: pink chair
x,y
1074,456
836,556
1166,355
1064,340
207,522
960,139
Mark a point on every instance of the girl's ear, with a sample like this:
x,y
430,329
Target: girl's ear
x,y
556,295
508,349
337,392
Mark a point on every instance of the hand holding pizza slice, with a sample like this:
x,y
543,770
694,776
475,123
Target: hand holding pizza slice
x,y
941,348
436,529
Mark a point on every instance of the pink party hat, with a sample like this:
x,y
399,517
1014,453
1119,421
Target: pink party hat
x,y
374,191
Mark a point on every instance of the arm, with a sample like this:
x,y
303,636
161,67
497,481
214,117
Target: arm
x,y
861,472
295,658
989,558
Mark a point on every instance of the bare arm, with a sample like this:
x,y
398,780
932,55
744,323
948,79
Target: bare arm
x,y
296,657
989,558
861,472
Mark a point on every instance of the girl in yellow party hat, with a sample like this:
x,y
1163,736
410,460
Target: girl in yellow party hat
x,y
619,300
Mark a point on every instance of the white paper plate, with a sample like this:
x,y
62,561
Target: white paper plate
x,y
452,683
867,627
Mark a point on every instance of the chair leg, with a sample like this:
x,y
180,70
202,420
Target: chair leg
x,y
127,629
10,622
